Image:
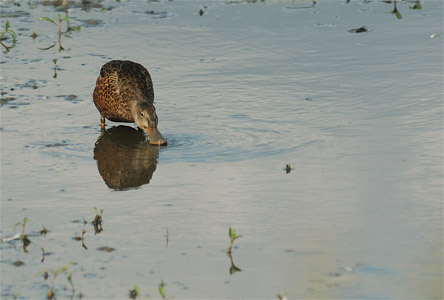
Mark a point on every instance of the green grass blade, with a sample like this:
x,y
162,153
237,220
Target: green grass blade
x,y
48,19
15,226
64,268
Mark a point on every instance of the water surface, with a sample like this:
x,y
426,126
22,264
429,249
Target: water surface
x,y
241,91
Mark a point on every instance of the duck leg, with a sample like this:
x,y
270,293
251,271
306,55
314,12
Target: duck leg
x,y
102,121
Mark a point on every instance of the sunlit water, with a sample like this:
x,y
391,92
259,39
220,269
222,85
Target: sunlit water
x,y
241,91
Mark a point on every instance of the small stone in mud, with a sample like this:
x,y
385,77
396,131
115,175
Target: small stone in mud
x,y
18,263
358,30
106,249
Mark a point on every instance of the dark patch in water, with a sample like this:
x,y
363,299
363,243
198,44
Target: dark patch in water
x,y
359,30
91,22
56,145
106,249
71,97
4,101
18,263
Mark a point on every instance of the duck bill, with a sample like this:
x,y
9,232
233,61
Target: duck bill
x,y
156,138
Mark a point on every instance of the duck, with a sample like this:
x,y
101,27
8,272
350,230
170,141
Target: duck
x,y
124,93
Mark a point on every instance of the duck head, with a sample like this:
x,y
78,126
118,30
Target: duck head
x,y
146,119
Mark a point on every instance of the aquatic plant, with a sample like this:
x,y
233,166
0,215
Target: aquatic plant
x,y
167,236
395,11
135,292
162,290
287,168
282,297
44,231
59,26
233,236
417,5
97,222
11,33
23,236
23,223
54,274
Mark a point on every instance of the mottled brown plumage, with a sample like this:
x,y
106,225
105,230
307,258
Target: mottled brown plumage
x,y
124,93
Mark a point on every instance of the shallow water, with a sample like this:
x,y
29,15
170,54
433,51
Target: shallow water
x,y
241,91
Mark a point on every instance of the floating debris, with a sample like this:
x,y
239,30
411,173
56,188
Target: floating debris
x,y
15,237
432,36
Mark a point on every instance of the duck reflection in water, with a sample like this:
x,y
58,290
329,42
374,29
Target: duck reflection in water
x,y
125,158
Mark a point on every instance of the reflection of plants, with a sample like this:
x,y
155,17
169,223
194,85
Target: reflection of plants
x,y
51,293
11,33
97,222
233,236
55,68
135,292
81,238
43,255
395,11
233,268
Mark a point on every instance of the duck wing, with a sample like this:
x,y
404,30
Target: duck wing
x,y
119,83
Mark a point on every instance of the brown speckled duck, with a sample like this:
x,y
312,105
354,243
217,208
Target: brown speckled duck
x,y
124,93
